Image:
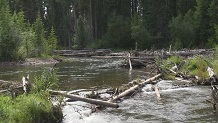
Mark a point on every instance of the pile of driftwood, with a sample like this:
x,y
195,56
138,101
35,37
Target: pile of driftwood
x,y
133,87
83,52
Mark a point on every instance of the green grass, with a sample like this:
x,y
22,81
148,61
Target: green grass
x,y
196,66
33,107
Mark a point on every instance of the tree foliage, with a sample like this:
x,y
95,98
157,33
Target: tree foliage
x,y
182,31
9,34
25,26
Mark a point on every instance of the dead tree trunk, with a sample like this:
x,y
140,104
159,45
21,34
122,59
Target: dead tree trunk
x,y
214,86
134,88
88,100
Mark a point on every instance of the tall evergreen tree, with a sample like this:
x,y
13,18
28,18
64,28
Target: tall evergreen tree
x,y
182,31
52,41
202,20
213,23
39,35
9,34
139,33
156,16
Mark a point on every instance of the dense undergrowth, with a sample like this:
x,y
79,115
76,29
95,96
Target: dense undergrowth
x,y
34,107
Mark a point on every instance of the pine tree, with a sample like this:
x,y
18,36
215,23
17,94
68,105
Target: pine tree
x,y
213,23
39,36
202,20
52,41
9,34
139,33
182,31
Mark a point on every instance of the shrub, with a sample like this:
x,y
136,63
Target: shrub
x,y
46,81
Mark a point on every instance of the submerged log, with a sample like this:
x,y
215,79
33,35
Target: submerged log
x,y
88,100
134,88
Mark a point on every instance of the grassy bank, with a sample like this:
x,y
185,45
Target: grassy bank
x,y
34,107
192,67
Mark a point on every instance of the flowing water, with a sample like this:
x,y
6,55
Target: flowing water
x,y
176,105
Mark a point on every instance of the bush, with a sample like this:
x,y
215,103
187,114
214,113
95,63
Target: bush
x,y
46,81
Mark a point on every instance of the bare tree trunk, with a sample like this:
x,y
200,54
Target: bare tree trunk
x,y
130,64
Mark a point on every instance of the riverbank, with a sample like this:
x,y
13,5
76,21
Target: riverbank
x,y
32,61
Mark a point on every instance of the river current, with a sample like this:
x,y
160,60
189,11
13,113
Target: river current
x,y
175,106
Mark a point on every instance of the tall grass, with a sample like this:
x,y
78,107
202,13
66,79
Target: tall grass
x,y
33,107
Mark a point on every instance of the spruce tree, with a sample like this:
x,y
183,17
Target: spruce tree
x,y
52,41
9,34
40,41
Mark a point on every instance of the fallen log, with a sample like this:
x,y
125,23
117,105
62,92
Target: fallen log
x,y
183,80
88,100
134,88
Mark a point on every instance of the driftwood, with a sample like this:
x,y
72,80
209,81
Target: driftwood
x,y
134,88
157,92
88,100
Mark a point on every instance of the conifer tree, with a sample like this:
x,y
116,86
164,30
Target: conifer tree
x,y
52,41
40,41
9,34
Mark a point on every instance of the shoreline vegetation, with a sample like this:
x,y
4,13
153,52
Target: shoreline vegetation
x,y
33,104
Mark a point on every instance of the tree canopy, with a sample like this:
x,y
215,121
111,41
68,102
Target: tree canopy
x,y
36,27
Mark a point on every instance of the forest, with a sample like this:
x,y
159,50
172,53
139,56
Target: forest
x,y
35,28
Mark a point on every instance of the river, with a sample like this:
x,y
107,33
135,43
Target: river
x,y
176,105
